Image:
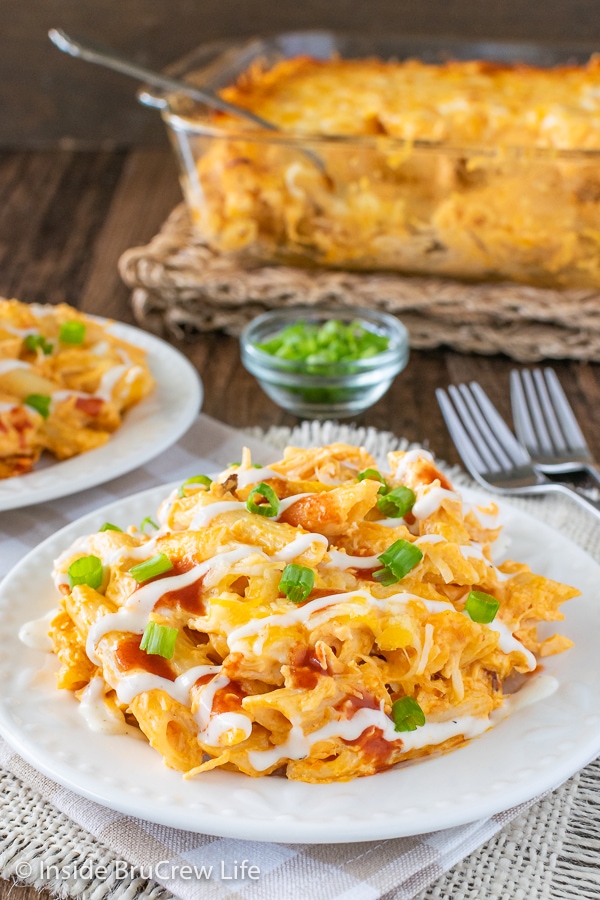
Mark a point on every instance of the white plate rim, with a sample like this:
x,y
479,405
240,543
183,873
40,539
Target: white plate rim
x,y
267,809
148,429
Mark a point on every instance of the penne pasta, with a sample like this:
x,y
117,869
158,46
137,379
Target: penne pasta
x,y
324,634
69,379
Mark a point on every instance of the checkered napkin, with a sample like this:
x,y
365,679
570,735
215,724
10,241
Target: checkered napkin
x,y
47,833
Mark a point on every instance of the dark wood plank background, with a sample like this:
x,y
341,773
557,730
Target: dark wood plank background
x,y
47,98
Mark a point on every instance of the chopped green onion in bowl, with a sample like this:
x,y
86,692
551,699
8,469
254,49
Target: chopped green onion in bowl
x,y
319,347
325,363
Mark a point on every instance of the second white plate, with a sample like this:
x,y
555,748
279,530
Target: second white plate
x,y
148,429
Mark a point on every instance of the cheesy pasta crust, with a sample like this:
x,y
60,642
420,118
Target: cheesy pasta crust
x,y
80,383
262,685
456,169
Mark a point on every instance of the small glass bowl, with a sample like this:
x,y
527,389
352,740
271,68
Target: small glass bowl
x,y
348,387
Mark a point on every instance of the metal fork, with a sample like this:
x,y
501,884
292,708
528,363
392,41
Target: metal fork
x,y
546,424
489,449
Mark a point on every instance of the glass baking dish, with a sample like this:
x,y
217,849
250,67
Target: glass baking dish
x,y
375,202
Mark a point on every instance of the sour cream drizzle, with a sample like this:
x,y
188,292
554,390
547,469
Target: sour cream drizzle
x,y
430,502
298,744
6,365
129,686
213,727
60,396
97,713
410,457
34,634
472,550
143,551
207,513
109,380
133,615
389,523
256,627
20,332
344,561
246,477
300,545
430,539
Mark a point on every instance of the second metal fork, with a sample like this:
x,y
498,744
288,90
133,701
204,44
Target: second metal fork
x,y
546,424
489,449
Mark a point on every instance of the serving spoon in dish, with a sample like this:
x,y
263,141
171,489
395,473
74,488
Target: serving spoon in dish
x,y
104,56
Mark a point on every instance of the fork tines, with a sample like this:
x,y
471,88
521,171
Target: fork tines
x,y
544,420
480,434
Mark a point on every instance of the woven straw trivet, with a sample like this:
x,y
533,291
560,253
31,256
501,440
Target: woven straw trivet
x,y
182,287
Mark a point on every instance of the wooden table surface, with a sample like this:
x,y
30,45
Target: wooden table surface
x,y
66,217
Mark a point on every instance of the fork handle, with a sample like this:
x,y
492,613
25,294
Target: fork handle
x,y
585,502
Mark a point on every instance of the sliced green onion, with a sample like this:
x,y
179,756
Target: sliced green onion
x,y
481,607
253,466
398,561
374,475
39,402
407,714
270,508
72,332
159,640
371,473
86,570
397,503
150,568
108,526
297,582
33,341
196,479
319,346
148,521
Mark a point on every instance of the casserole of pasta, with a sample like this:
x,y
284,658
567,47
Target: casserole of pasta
x,y
65,383
471,169
316,619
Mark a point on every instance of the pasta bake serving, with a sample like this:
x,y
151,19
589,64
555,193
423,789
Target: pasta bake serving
x,y
65,383
315,618
473,169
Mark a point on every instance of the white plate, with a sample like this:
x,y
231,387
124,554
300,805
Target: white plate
x,y
149,428
532,751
